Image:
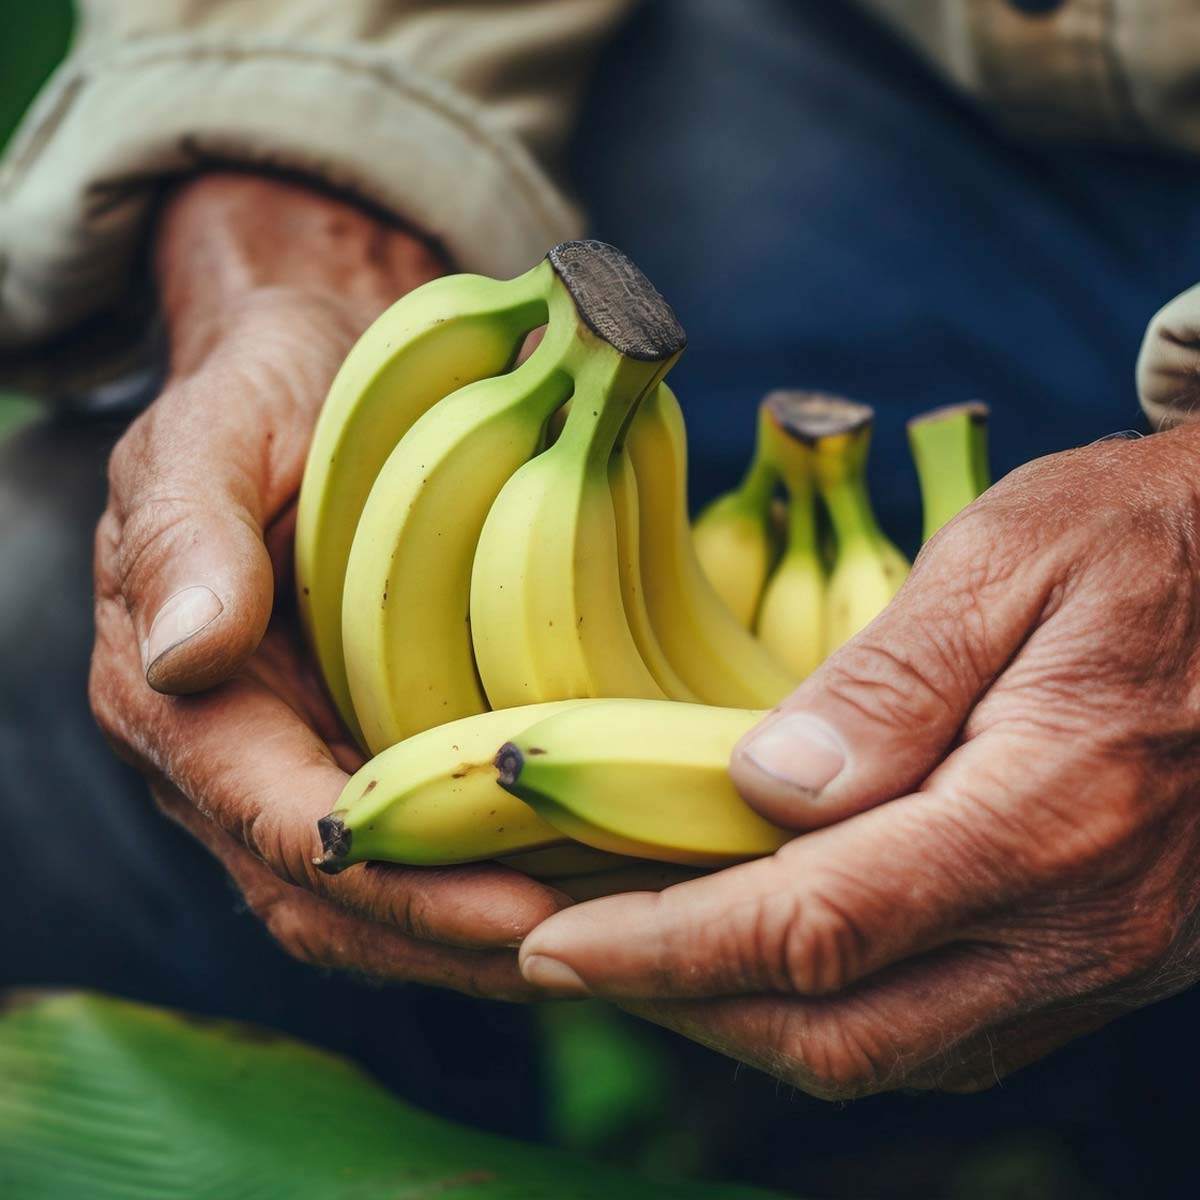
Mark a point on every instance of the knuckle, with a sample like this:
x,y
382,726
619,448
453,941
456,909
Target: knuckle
x,y
824,949
298,936
888,682
837,1060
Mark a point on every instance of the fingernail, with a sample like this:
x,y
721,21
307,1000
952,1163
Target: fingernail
x,y
553,975
799,750
181,617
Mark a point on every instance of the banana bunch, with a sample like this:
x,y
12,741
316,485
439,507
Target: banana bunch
x,y
500,585
950,449
479,536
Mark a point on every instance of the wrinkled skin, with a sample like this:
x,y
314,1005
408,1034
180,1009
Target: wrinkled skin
x,y
265,287
1009,855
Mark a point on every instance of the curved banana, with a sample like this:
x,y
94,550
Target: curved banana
x,y
868,568
716,658
433,800
949,447
735,538
623,485
547,617
439,337
405,630
641,777
791,619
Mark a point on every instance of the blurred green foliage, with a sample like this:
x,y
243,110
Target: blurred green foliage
x,y
33,38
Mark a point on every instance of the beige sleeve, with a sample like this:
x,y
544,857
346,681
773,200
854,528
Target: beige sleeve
x,y
449,113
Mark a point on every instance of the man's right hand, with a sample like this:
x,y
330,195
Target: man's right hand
x,y
199,677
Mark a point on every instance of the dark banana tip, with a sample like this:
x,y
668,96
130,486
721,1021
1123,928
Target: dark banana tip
x,y
335,843
975,411
810,416
617,302
509,762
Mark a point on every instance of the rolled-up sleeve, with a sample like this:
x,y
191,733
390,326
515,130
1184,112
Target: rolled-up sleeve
x,y
451,116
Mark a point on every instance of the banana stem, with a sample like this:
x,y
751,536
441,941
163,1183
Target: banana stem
x,y
949,448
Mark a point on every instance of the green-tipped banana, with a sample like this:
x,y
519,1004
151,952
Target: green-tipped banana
x,y
791,619
648,779
949,447
547,615
433,800
718,660
436,339
868,569
734,536
405,629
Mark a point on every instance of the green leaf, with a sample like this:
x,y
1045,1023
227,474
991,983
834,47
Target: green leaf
x,y
101,1098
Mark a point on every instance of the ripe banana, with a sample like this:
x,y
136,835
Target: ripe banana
x,y
438,338
734,536
949,447
405,629
623,485
641,777
433,800
718,660
791,619
547,617
868,569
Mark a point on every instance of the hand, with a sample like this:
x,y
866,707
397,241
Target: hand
x,y
1006,770
198,675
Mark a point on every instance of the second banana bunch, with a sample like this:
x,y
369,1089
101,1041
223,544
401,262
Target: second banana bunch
x,y
499,583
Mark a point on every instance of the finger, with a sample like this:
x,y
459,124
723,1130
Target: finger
x,y
193,484
873,720
1168,366
902,1029
242,756
321,934
1000,820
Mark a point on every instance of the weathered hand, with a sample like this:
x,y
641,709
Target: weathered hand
x,y
1006,770
265,287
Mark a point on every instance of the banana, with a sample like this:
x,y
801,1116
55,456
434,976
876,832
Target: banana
x,y
405,630
623,485
718,660
868,569
547,616
791,619
734,537
432,800
949,447
436,339
644,778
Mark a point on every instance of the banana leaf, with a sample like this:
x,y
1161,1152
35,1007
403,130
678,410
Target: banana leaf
x,y
103,1098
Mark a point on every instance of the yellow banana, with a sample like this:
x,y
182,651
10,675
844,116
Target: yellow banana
x,y
433,799
644,778
547,617
405,630
718,660
436,339
949,447
734,536
623,484
868,569
791,619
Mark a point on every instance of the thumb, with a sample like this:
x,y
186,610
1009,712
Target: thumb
x,y
191,485
1168,366
871,723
